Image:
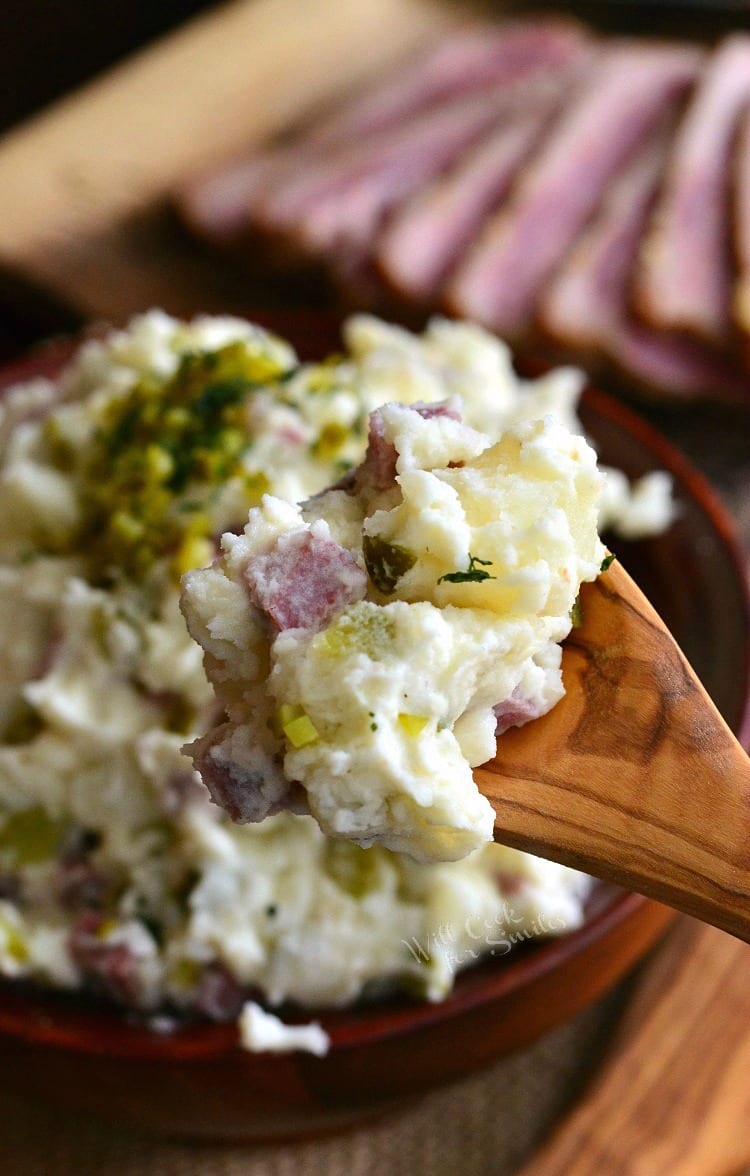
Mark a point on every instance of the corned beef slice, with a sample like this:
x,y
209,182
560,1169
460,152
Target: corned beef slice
x,y
344,192
619,102
470,59
684,277
221,203
741,220
586,306
426,236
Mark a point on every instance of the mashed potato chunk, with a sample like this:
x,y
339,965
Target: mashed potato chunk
x,y
369,645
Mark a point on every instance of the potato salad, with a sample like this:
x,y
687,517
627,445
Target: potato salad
x,y
118,875
369,645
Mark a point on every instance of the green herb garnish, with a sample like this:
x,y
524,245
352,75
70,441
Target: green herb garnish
x,y
609,558
159,452
474,574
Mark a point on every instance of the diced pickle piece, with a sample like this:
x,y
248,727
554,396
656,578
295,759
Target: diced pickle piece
x,y
31,835
301,732
413,725
386,563
12,941
354,869
363,628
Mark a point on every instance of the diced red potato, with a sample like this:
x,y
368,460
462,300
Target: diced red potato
x,y
111,967
80,885
585,308
514,712
182,790
248,792
218,995
685,274
378,468
624,96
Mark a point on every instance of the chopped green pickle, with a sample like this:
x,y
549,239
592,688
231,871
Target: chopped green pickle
x,y
386,563
413,725
158,454
12,941
332,437
31,835
363,628
301,731
354,869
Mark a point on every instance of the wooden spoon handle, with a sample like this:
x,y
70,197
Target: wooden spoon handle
x,y
675,1096
633,776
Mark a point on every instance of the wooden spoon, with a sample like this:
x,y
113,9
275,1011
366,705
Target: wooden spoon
x,y
674,1095
633,776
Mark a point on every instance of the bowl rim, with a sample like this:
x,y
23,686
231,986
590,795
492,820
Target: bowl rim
x,y
49,1017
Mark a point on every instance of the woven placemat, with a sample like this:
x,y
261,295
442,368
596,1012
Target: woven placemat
x,y
485,1124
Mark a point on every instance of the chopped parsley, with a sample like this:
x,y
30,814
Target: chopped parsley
x,y
474,574
607,561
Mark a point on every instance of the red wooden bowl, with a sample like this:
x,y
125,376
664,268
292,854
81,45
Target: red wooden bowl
x,y
197,1082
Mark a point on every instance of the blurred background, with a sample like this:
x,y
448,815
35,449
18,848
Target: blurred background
x,y
48,48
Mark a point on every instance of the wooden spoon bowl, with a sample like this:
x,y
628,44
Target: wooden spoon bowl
x,y
633,776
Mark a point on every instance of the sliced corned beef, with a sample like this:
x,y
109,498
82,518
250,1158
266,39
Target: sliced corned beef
x,y
619,102
220,203
741,235
586,306
428,234
684,276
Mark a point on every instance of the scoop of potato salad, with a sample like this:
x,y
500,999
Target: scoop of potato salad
x,y
369,645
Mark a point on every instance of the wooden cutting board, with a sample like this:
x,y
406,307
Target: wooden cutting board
x,y
84,218
674,1097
